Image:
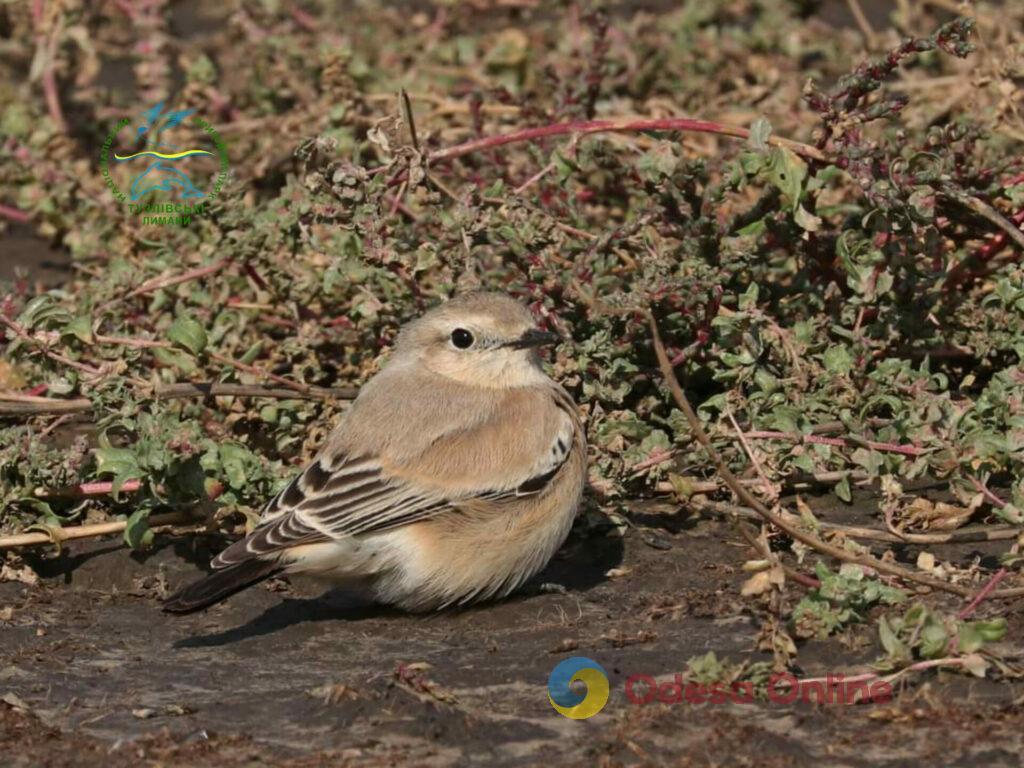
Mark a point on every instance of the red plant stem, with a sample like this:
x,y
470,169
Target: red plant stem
x,y
919,666
89,489
11,213
907,450
84,490
999,575
303,19
252,369
167,282
996,244
984,592
628,125
20,332
994,500
656,458
959,273
53,100
803,579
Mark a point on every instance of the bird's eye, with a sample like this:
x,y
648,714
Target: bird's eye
x,y
462,339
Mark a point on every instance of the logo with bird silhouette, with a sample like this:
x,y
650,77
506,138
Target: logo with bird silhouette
x,y
165,164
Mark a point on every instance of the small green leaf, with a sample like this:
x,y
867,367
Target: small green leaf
x,y
80,328
234,459
837,359
760,131
176,359
660,161
806,220
137,533
893,646
934,639
787,172
122,463
842,490
116,461
971,636
188,333
748,299
253,353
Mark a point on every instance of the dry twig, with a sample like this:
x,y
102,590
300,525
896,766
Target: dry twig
x,y
24,405
793,531
59,535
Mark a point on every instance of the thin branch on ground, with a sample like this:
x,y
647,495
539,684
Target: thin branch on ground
x,y
796,483
620,125
862,22
967,535
793,531
55,535
765,551
46,46
296,386
24,335
985,591
839,442
986,211
166,281
16,215
84,490
24,405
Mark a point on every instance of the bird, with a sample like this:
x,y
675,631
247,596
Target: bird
x,y
453,477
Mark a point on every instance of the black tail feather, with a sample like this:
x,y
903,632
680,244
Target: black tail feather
x,y
219,585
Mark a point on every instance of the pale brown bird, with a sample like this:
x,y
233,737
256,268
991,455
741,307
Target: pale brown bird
x,y
454,476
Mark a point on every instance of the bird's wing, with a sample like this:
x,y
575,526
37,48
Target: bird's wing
x,y
339,495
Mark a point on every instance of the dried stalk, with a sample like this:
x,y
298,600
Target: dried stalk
x,y
796,483
20,332
166,281
989,213
621,125
972,534
24,405
793,531
11,213
765,551
60,535
839,442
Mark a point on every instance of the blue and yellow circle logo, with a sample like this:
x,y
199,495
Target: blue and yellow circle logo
x,y
566,701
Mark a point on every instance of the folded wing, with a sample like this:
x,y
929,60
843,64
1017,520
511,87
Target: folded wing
x,y
339,495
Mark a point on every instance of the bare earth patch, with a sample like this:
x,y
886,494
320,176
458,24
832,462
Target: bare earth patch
x,y
285,675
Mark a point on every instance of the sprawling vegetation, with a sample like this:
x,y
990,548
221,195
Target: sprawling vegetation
x,y
829,243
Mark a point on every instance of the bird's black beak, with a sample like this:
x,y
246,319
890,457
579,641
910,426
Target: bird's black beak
x,y
534,338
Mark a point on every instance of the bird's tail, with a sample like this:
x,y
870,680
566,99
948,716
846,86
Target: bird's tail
x,y
220,584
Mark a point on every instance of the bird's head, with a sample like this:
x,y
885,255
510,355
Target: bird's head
x,y
477,339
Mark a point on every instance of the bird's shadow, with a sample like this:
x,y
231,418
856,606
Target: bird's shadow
x,y
106,566
333,605
579,567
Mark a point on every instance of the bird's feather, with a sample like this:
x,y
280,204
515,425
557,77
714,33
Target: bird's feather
x,y
219,585
338,496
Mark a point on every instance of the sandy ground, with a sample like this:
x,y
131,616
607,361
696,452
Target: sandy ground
x,y
289,675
